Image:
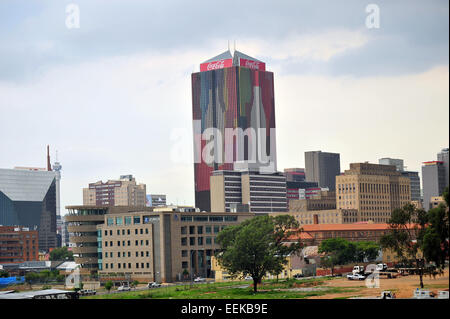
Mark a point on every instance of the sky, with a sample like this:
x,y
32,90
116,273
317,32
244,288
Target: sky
x,y
113,95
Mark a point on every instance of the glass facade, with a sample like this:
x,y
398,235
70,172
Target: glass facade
x,y
28,198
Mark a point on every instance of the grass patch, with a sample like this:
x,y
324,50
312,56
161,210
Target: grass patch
x,y
269,289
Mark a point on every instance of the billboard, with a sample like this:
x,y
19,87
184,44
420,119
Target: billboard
x,y
255,65
215,65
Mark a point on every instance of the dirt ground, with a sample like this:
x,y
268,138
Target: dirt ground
x,y
403,286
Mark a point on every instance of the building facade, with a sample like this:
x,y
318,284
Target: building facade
x,y
373,190
18,244
443,157
231,92
295,174
433,181
262,193
28,198
324,200
161,246
398,163
122,192
322,168
327,216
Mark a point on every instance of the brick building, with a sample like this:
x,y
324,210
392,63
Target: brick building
x,y
18,244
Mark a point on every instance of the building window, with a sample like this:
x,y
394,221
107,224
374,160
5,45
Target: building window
x,y
146,242
147,254
136,231
146,230
148,265
184,253
118,232
216,229
127,220
129,243
106,233
118,243
137,265
110,232
183,230
112,266
129,255
208,229
110,221
123,231
183,241
192,241
137,254
128,232
136,220
191,230
208,241
110,243
129,265
200,240
142,254
106,244
184,265
136,243
119,221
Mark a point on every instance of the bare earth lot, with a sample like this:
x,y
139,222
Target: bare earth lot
x,y
403,286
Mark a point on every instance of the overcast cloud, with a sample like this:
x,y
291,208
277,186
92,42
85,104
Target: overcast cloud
x,y
114,96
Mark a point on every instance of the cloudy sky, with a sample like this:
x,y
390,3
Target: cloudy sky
x,y
114,95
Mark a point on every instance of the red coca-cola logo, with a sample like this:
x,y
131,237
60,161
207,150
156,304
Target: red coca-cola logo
x,y
216,65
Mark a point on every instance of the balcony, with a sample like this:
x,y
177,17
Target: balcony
x,y
84,250
83,239
82,228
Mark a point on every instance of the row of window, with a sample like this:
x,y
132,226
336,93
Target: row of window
x,y
209,218
127,254
124,265
128,243
208,241
208,229
128,232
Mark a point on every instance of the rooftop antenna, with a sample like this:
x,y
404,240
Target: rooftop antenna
x,y
49,166
228,45
234,45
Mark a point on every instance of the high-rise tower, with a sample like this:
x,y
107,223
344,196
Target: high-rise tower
x,y
231,92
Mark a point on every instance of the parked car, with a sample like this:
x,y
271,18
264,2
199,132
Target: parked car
x,y
297,276
356,277
153,285
199,279
248,278
443,294
124,288
422,294
387,295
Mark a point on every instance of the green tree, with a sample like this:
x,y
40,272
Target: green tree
x,y
108,285
366,250
337,251
405,236
257,246
434,243
61,253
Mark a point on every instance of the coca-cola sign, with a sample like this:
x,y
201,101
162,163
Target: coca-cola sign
x,y
255,65
215,65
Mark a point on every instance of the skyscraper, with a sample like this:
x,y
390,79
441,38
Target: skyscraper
x,y
443,157
433,181
231,92
28,199
322,168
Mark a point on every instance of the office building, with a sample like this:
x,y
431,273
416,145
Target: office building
x,y
28,199
443,157
82,224
301,189
322,168
414,180
313,235
155,200
232,92
323,200
373,190
435,201
294,174
122,192
161,246
433,181
398,163
326,216
18,244
262,193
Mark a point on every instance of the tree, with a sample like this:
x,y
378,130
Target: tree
x,y
434,243
61,253
366,251
406,231
257,246
338,251
108,285
135,283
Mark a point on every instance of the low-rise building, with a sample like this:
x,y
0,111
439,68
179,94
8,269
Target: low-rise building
x,y
18,244
328,216
161,246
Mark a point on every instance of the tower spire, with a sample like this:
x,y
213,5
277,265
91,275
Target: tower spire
x,y
49,166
